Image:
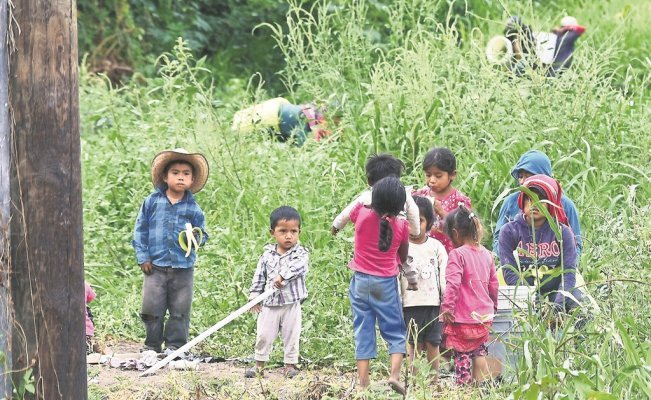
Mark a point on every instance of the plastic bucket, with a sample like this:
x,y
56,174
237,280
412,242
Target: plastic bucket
x,y
514,297
501,359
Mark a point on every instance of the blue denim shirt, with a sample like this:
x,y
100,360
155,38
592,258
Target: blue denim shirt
x,y
159,222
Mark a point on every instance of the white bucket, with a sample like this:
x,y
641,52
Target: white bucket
x,y
514,297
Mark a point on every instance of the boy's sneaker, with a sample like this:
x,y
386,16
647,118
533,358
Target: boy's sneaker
x,y
150,348
179,356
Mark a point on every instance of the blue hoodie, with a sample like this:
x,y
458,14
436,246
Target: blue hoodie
x,y
535,162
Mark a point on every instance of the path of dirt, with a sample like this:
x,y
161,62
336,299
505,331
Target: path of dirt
x,y
225,380
218,380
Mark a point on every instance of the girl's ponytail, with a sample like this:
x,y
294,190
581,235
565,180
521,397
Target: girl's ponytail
x,y
386,234
466,223
388,199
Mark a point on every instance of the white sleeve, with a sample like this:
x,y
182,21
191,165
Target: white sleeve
x,y
343,218
443,262
413,216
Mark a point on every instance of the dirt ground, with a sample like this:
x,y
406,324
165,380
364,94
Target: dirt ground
x,y
225,380
218,380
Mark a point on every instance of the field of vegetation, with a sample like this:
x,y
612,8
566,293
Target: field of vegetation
x,y
409,75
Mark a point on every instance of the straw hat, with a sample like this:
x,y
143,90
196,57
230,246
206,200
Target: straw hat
x,y
499,50
197,160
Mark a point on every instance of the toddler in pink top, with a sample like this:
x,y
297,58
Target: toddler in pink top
x,y
470,299
440,167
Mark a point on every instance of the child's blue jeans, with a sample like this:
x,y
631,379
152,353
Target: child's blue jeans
x,y
167,289
375,298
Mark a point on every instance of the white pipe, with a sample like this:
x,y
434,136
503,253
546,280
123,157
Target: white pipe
x,y
208,332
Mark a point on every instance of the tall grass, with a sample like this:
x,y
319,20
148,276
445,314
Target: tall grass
x,y
418,89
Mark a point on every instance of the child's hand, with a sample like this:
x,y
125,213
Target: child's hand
x,y
412,286
446,317
438,208
146,267
279,282
256,309
334,231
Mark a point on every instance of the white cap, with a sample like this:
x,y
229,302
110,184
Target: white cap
x,y
569,21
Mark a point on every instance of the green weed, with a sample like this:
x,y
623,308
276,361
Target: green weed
x,y
425,84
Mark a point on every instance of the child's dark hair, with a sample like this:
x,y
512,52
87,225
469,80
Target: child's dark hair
x,y
284,213
465,222
441,158
382,165
388,200
425,209
169,164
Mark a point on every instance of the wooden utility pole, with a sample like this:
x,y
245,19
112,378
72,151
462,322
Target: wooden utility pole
x,y
5,146
46,216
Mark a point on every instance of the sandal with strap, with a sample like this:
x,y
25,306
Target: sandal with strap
x,y
397,387
290,372
253,373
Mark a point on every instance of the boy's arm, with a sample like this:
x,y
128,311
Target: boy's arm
x,y
343,218
200,222
409,271
295,265
573,220
508,242
413,216
502,219
141,234
259,279
569,265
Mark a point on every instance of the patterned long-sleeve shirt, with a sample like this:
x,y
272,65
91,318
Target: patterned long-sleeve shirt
x,y
449,203
292,266
159,222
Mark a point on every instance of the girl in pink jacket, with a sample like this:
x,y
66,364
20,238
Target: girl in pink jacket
x,y
470,300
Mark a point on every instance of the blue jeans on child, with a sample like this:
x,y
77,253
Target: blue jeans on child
x,y
167,289
375,298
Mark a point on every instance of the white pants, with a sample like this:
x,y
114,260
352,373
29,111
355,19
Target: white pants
x,y
284,319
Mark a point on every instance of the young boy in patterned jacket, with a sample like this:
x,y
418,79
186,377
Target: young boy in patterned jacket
x,y
283,265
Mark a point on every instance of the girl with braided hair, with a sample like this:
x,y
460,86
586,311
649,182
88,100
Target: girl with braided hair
x,y
381,246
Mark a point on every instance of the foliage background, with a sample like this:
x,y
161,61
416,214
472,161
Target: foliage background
x,y
410,75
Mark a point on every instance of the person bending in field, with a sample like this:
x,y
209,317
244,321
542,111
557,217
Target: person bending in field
x,y
566,36
549,262
168,268
283,266
378,167
534,162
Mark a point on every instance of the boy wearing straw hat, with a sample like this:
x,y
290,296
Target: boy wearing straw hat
x,y
165,255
